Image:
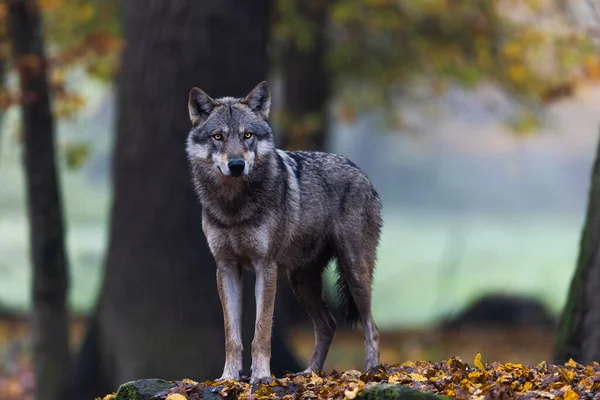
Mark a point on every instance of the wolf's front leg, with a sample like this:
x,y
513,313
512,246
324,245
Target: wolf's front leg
x,y
265,288
229,283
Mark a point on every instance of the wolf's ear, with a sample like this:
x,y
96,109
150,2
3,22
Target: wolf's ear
x,y
200,105
259,100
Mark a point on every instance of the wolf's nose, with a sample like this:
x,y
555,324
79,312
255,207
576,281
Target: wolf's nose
x,y
236,166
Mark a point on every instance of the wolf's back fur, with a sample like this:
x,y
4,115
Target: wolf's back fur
x,y
296,209
337,207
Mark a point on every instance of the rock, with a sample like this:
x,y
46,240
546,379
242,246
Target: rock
x,y
143,389
386,391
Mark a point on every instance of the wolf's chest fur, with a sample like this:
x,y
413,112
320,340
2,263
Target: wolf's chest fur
x,y
240,244
287,218
252,234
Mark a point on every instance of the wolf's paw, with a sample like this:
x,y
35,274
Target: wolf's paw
x,y
373,367
229,376
307,371
263,380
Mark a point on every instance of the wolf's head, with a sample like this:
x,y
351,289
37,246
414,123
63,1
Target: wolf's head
x,y
230,133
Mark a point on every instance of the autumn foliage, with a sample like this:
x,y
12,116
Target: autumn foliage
x,y
452,378
82,35
384,48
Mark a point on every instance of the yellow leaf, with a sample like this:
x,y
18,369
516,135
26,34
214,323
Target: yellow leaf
x,y
504,378
571,363
418,377
570,394
517,73
351,394
510,367
568,375
264,392
474,376
316,379
396,378
176,396
478,363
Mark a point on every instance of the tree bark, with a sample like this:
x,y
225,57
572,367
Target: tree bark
x,y
159,313
578,334
303,118
46,231
2,85
306,84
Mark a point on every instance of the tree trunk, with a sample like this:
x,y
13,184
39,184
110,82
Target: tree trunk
x,y
306,84
578,335
159,313
46,231
2,85
303,119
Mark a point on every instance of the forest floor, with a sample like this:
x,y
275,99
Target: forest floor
x,y
526,346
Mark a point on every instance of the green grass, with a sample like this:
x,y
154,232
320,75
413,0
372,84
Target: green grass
x,y
418,278
86,210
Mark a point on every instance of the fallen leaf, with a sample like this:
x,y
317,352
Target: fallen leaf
x,y
477,362
350,394
176,396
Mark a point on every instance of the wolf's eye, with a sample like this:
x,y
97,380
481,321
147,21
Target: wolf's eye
x,y
247,135
218,136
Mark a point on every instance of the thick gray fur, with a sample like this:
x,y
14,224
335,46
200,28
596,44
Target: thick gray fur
x,y
286,211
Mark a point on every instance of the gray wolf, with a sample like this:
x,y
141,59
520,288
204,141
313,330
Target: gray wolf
x,y
275,211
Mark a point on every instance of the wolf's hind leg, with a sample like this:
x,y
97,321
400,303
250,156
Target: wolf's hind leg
x,y
307,285
356,266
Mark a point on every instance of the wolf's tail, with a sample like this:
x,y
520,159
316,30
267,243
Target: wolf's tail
x,y
345,297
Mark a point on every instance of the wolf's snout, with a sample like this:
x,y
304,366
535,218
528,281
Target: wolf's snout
x,y
236,166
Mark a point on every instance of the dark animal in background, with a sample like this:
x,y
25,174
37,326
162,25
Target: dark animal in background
x,y
501,311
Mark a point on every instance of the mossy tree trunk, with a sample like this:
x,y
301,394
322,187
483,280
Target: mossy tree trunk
x,y
578,335
46,231
159,313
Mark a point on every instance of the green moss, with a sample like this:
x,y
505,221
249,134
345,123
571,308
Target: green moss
x,y
396,392
143,389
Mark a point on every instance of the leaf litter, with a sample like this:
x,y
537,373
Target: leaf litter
x,y
452,378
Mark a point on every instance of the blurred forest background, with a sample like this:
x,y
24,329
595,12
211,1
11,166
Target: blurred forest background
x,y
476,120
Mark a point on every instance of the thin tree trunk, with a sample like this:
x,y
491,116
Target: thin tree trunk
x,y
2,85
306,84
46,231
159,314
303,118
578,335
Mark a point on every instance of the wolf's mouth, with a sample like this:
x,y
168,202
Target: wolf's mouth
x,y
222,171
